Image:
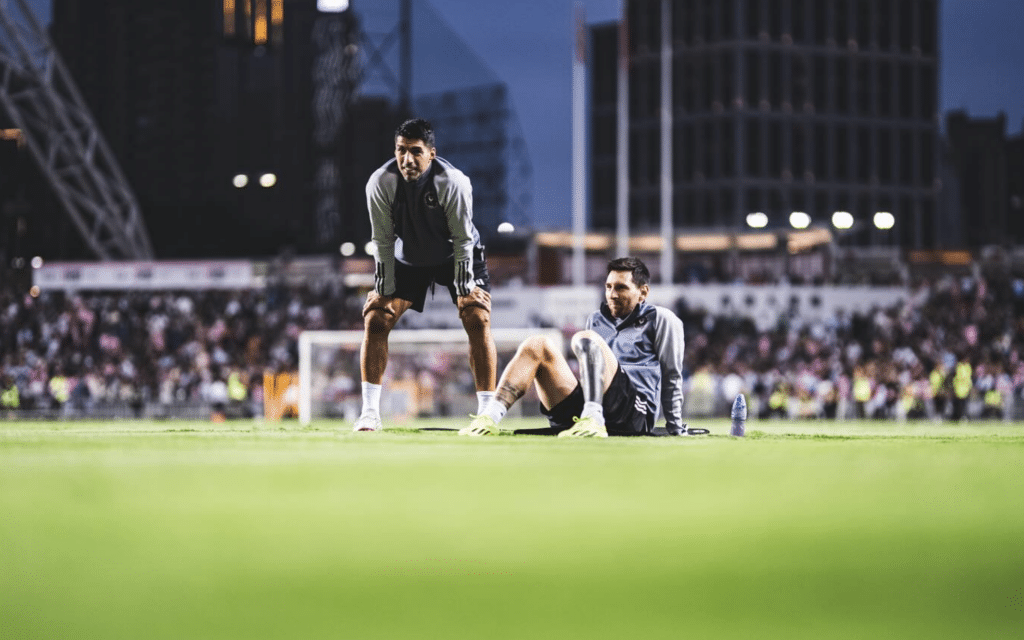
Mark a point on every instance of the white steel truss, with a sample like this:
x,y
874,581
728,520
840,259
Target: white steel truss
x,y
42,100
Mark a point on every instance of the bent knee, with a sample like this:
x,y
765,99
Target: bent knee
x,y
585,340
476,319
541,348
378,321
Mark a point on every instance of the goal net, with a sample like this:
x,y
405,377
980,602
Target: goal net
x,y
428,374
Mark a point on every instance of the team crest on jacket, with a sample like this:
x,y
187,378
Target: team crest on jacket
x,y
430,199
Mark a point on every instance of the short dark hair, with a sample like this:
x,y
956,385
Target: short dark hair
x,y
641,275
417,129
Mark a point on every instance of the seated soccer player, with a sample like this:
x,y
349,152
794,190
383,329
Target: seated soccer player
x,y
629,350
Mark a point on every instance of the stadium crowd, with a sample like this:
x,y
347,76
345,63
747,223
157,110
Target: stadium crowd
x,y
80,353
952,350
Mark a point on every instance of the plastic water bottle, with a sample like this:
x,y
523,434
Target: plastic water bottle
x,y
739,416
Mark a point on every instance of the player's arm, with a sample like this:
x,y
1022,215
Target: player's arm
x,y
670,343
458,207
382,227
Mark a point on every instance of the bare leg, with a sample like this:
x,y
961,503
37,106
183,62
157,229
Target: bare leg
x,y
483,356
379,318
536,361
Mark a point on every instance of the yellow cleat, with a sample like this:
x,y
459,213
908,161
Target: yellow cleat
x,y
481,426
585,428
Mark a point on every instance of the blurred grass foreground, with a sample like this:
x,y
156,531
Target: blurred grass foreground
x,y
250,530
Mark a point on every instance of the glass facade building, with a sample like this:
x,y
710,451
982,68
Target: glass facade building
x,y
777,106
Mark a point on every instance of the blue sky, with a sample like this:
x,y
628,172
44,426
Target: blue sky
x,y
528,44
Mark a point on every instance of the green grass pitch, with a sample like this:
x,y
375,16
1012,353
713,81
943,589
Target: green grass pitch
x,y
268,530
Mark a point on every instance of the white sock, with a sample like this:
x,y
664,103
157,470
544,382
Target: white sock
x,y
482,398
494,410
593,410
371,399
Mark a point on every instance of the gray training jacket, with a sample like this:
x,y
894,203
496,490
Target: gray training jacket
x,y
648,344
422,224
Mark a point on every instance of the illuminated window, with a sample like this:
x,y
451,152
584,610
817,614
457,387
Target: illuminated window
x,y
247,6
229,18
260,26
276,21
257,22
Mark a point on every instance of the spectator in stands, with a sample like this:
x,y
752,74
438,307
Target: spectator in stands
x,y
962,385
9,395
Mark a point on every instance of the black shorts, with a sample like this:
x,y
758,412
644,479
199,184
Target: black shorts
x,y
412,282
625,413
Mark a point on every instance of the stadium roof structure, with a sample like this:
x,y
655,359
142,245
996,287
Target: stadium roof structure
x,y
44,104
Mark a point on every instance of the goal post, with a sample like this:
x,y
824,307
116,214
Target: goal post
x,y
423,364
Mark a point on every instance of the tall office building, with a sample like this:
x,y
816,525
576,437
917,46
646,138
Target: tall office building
x,y
1015,172
989,169
776,106
190,95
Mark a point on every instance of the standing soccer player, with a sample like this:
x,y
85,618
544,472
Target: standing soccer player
x,y
631,360
421,216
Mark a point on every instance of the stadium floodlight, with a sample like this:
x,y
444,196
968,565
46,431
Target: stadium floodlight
x,y
268,180
370,248
842,220
347,249
799,220
37,262
331,6
884,220
757,220
240,181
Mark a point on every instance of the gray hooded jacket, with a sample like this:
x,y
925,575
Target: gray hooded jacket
x,y
648,344
423,223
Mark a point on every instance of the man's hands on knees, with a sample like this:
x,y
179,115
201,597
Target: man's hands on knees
x,y
476,298
376,301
